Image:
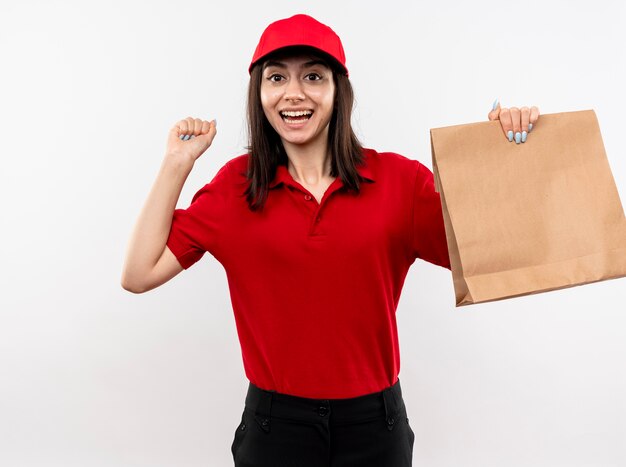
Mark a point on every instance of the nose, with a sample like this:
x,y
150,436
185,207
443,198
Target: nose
x,y
293,90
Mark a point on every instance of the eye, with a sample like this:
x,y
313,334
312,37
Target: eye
x,y
315,74
270,78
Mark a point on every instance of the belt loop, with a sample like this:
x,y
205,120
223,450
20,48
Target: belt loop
x,y
391,407
262,412
397,395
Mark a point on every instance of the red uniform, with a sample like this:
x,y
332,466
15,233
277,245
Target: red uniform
x,y
315,286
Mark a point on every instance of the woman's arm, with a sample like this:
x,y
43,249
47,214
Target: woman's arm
x,y
149,262
147,265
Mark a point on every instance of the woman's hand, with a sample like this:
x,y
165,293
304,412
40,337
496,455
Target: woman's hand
x,y
189,138
515,122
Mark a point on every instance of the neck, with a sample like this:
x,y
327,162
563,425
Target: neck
x,y
309,163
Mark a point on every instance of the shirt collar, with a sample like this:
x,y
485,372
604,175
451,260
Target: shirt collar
x,y
283,175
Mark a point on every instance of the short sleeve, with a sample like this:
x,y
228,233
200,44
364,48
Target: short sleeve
x,y
196,230
429,233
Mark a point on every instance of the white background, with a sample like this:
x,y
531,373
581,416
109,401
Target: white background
x,y
92,375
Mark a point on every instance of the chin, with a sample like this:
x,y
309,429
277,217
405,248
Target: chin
x,y
298,141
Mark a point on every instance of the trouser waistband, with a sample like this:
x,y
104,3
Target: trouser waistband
x,y
268,404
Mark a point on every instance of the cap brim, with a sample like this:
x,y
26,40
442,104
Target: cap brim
x,y
296,49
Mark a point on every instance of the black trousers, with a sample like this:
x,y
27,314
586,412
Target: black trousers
x,y
281,430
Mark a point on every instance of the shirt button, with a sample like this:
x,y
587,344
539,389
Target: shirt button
x,y
307,197
322,411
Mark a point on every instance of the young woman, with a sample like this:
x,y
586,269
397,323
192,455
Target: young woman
x,y
316,235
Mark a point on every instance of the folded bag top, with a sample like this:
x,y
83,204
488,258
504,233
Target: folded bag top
x,y
528,218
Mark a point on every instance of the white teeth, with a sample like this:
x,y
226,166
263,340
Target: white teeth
x,y
294,120
298,113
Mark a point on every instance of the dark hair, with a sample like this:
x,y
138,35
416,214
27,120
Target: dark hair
x,y
265,147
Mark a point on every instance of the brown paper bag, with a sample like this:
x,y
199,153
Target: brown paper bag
x,y
530,217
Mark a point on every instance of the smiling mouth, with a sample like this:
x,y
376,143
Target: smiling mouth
x,y
296,117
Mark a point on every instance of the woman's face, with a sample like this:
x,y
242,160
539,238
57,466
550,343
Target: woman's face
x,y
303,84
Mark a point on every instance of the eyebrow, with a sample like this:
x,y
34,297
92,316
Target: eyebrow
x,y
304,65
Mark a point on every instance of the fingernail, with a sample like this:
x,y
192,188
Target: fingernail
x,y
495,104
215,121
524,135
530,126
510,135
518,137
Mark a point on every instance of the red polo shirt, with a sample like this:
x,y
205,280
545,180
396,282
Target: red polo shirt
x,y
314,287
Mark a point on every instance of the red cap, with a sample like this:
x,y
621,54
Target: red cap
x,y
300,30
